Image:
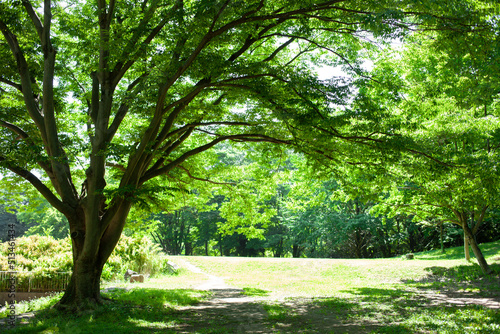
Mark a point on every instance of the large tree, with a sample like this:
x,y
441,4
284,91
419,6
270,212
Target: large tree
x,y
108,103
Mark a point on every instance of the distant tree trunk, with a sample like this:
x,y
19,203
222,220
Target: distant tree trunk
x,y
220,246
466,248
296,250
188,248
278,251
441,236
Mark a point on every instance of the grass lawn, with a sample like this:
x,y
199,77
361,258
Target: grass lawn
x,y
434,293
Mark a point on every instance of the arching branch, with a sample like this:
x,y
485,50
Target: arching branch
x,y
240,138
42,188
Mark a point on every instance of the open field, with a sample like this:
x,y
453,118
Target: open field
x,y
434,293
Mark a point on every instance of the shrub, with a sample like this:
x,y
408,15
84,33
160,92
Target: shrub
x,y
43,256
38,252
138,254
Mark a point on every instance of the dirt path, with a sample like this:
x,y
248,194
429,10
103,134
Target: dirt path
x,y
228,306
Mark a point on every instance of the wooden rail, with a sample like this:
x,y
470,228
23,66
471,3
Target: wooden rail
x,y
26,281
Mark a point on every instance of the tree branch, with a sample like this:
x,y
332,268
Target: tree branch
x,y
241,138
204,180
42,188
34,18
13,84
25,75
14,128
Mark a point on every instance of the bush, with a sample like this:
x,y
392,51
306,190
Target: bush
x,y
38,252
138,254
43,256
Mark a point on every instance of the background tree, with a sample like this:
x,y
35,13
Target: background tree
x,y
458,131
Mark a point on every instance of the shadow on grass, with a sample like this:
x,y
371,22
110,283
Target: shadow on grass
x,y
361,310
134,311
409,312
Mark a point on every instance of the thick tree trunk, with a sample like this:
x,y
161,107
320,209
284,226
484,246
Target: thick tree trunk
x,y
90,253
469,236
83,290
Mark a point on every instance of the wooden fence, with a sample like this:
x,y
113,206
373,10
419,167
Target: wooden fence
x,y
26,281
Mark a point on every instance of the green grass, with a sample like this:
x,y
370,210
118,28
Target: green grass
x,y
299,296
140,310
489,250
327,277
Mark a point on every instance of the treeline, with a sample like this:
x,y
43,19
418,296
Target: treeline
x,y
330,229
297,216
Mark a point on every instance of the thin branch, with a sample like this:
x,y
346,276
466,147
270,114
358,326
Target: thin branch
x,y
25,75
14,128
42,188
204,180
279,49
123,109
121,68
219,13
346,61
13,84
117,166
34,18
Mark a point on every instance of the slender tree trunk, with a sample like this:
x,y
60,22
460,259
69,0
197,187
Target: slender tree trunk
x,y
441,236
220,246
466,248
469,236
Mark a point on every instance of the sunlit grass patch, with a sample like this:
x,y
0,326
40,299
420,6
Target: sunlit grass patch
x,y
490,250
34,304
138,310
255,292
158,297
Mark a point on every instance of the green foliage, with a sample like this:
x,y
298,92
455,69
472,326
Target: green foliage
x,y
39,253
138,254
45,221
44,256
